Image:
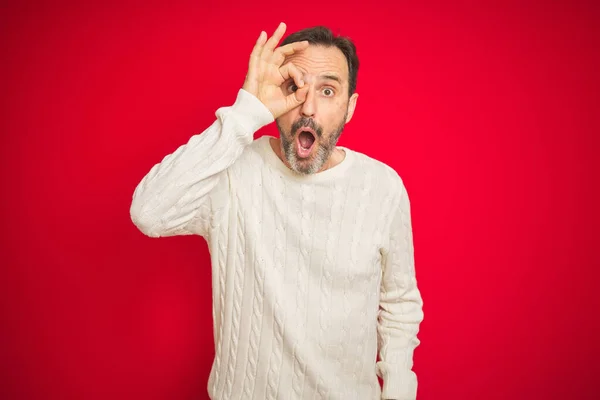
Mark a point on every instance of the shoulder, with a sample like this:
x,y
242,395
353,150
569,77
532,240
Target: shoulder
x,y
383,173
253,156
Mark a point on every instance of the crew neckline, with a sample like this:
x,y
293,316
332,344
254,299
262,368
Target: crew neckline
x,y
336,171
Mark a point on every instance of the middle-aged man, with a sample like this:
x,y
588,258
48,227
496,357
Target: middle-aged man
x,y
311,243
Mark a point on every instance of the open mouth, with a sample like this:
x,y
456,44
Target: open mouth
x,y
305,142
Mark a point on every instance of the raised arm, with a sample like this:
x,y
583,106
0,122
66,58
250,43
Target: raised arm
x,y
400,308
176,195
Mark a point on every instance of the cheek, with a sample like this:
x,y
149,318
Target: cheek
x,y
285,121
335,113
333,106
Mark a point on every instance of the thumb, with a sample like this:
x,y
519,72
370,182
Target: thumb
x,y
297,98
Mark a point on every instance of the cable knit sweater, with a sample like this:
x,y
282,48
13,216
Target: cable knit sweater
x,y
313,276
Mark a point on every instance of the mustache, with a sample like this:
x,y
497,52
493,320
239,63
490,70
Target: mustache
x,y
304,122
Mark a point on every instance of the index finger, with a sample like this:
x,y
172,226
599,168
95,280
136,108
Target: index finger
x,y
284,51
288,71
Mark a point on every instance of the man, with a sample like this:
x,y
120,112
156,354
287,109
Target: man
x,y
311,243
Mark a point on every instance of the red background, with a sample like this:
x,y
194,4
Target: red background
x,y
488,111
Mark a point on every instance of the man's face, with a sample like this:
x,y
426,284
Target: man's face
x,y
309,133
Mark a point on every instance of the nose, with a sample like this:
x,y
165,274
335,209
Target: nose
x,y
308,108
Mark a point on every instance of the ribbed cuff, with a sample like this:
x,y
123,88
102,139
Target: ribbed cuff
x,y
399,386
251,112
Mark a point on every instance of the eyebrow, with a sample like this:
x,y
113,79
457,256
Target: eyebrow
x,y
331,77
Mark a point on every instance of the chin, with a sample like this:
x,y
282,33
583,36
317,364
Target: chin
x,y
305,166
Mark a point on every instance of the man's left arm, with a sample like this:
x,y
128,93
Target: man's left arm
x,y
401,308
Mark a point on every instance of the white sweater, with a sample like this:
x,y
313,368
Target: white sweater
x,y
311,275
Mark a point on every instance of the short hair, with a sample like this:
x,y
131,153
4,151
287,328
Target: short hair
x,y
323,36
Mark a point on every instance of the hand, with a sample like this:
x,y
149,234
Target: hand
x,y
266,73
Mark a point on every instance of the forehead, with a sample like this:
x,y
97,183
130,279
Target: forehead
x,y
317,60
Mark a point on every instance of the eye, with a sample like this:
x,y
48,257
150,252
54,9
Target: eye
x,y
328,92
292,87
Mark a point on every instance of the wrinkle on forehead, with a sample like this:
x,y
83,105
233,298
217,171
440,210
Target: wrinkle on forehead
x,y
317,60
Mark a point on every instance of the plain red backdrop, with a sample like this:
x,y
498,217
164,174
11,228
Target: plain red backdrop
x,y
488,111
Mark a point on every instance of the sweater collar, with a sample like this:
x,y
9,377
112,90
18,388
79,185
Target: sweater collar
x,y
337,172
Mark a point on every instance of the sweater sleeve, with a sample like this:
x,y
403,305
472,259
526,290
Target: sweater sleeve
x,y
177,196
400,311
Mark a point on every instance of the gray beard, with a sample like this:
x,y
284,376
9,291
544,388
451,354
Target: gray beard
x,y
313,164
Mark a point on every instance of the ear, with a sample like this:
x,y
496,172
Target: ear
x,y
351,106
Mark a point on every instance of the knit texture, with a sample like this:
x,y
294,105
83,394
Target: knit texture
x,y
312,276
